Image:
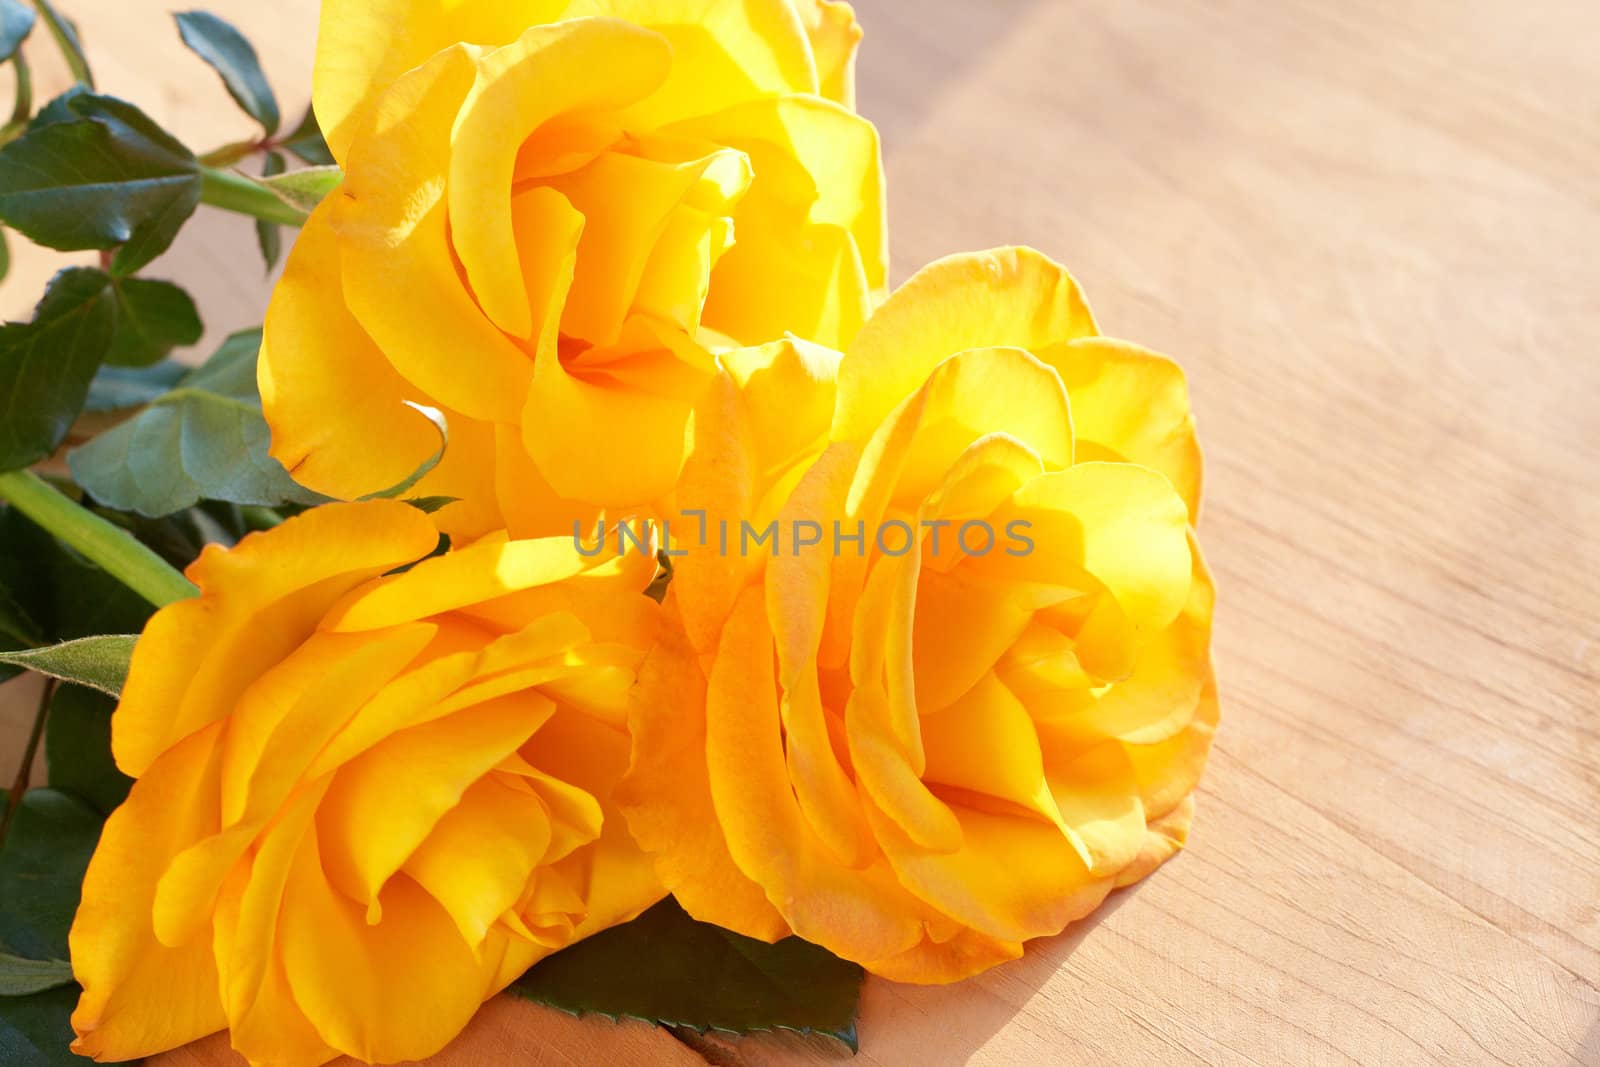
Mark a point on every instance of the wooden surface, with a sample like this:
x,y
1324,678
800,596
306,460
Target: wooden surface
x,y
1370,229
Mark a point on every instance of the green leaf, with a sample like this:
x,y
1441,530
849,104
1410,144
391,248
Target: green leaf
x,y
305,188
36,1031
42,861
46,365
64,594
20,977
153,318
307,142
5,256
59,109
16,22
664,967
231,56
428,505
120,388
203,440
98,662
105,176
268,234
77,748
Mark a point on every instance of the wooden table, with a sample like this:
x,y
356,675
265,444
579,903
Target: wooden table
x,y
1371,231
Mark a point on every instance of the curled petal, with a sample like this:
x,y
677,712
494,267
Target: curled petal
x,y
1011,297
1131,405
223,643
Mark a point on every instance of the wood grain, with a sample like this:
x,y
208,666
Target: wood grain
x,y
1369,230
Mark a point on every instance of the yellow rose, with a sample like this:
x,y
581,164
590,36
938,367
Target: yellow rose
x,y
927,746
542,230
365,800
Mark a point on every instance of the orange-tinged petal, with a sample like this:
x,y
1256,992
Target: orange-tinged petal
x,y
758,425
264,1020
198,656
1097,793
408,700
802,588
667,797
888,777
283,720
575,816
1013,878
478,857
591,755
962,629
859,914
607,600
622,881
271,1031
581,750
826,794
1011,297
986,743
491,568
717,490
383,804
933,962
140,997
531,508
398,989
640,392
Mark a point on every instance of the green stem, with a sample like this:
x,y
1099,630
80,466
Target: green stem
x,y
67,40
229,154
235,192
114,550
257,518
24,106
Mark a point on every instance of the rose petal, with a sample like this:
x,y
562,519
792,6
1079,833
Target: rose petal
x,y
139,996
1010,297
197,656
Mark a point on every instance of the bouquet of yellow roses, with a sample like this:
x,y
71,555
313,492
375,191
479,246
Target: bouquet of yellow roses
x,y
597,584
